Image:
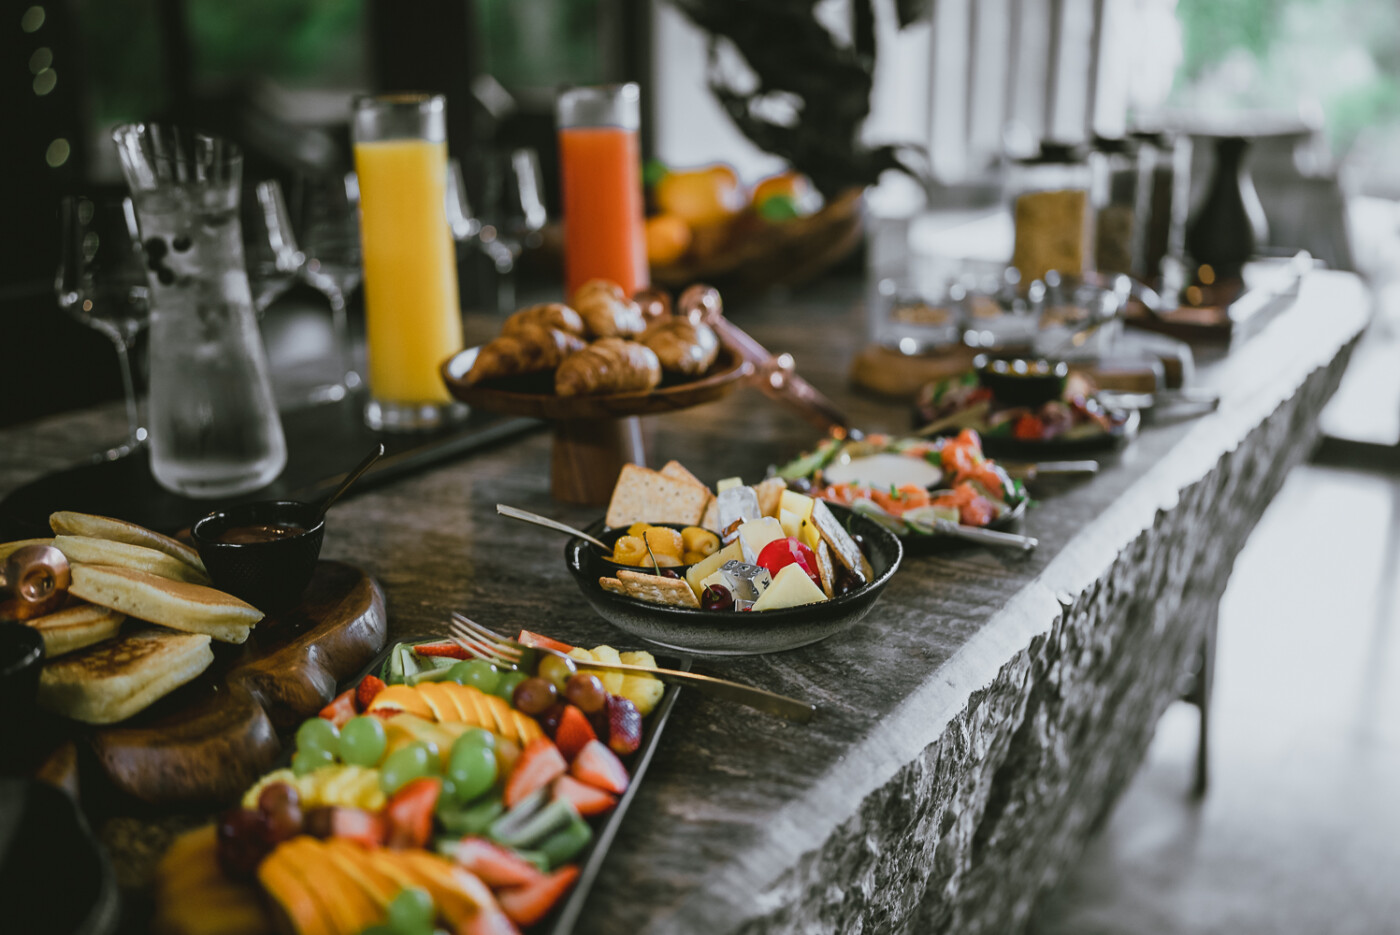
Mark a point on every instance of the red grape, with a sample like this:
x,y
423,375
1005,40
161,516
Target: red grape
x,y
624,726
534,696
549,720
281,809
240,843
586,692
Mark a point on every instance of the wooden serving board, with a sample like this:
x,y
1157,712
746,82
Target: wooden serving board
x,y
209,740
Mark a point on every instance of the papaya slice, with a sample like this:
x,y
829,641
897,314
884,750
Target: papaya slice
x,y
403,698
464,708
356,862
290,892
348,905
440,700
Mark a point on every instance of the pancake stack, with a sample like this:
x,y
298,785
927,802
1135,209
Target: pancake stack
x,y
99,667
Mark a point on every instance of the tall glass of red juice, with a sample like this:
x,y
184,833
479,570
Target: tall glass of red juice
x,y
600,164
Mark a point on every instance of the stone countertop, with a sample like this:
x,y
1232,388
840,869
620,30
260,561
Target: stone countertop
x,y
742,817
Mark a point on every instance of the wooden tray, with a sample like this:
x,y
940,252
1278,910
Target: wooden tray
x,y
594,436
209,740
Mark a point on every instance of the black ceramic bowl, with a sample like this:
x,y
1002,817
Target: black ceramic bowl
x,y
1016,381
21,658
610,536
725,633
269,575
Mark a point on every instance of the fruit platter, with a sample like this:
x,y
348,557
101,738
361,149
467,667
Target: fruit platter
x,y
437,792
749,569
1057,414
910,485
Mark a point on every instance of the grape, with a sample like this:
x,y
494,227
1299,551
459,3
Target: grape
x,y
505,688
477,673
586,692
534,695
556,670
716,597
281,807
669,573
412,911
472,768
405,765
317,734
447,795
479,736
362,741
306,761
240,842
319,822
549,720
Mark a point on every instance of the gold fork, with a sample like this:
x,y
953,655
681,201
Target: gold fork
x,y
487,644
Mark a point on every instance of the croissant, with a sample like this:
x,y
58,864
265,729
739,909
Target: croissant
x,y
608,365
549,314
683,346
531,349
606,310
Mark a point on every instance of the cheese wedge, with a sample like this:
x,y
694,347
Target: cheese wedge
x,y
698,572
791,588
757,533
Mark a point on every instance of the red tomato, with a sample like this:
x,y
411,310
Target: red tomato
x,y
781,553
1029,428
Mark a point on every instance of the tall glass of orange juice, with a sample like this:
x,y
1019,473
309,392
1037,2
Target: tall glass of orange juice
x,y
600,165
413,321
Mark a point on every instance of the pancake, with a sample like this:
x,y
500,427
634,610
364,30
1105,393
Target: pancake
x,y
117,530
115,679
75,627
93,551
175,604
9,548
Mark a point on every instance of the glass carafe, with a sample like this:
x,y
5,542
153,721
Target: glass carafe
x,y
214,430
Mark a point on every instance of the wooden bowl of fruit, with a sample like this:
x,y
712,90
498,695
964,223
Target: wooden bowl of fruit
x,y
791,570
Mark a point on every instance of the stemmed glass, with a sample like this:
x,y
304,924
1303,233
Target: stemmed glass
x,y
101,282
514,215
269,244
330,237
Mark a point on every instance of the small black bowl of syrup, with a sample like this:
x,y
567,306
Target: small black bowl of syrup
x,y
263,553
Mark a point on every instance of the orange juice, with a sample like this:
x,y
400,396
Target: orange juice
x,y
413,319
603,217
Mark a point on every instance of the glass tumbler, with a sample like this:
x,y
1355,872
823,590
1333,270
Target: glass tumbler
x,y
413,320
214,429
601,168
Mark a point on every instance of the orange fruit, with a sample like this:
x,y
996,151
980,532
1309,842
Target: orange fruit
x,y
668,237
792,184
700,196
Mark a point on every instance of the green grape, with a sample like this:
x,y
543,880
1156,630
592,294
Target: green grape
x,y
505,688
318,734
478,673
362,741
304,761
476,735
447,795
556,670
472,768
412,911
403,766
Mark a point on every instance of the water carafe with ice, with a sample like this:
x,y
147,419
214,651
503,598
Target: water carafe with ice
x,y
214,429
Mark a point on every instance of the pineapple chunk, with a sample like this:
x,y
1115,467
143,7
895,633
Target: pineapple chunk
x,y
612,681
791,588
642,690
757,533
702,570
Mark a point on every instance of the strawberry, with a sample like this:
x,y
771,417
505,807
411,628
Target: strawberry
x,y
353,824
341,708
370,686
542,642
410,813
600,768
573,732
540,762
527,905
494,865
449,649
624,726
587,799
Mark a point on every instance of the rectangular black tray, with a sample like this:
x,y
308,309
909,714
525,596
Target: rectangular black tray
x,y
562,920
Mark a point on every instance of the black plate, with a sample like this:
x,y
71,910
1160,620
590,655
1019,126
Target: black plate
x,y
1010,521
562,920
716,633
1062,449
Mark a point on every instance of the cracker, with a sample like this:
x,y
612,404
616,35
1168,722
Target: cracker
x,y
825,569
658,589
645,496
770,495
613,585
842,545
676,471
710,519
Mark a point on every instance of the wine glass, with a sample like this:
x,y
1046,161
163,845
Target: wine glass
x,y
101,282
330,236
269,245
514,214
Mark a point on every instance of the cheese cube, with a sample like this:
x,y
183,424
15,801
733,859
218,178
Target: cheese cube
x,y
795,502
697,573
757,533
792,588
791,523
726,483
